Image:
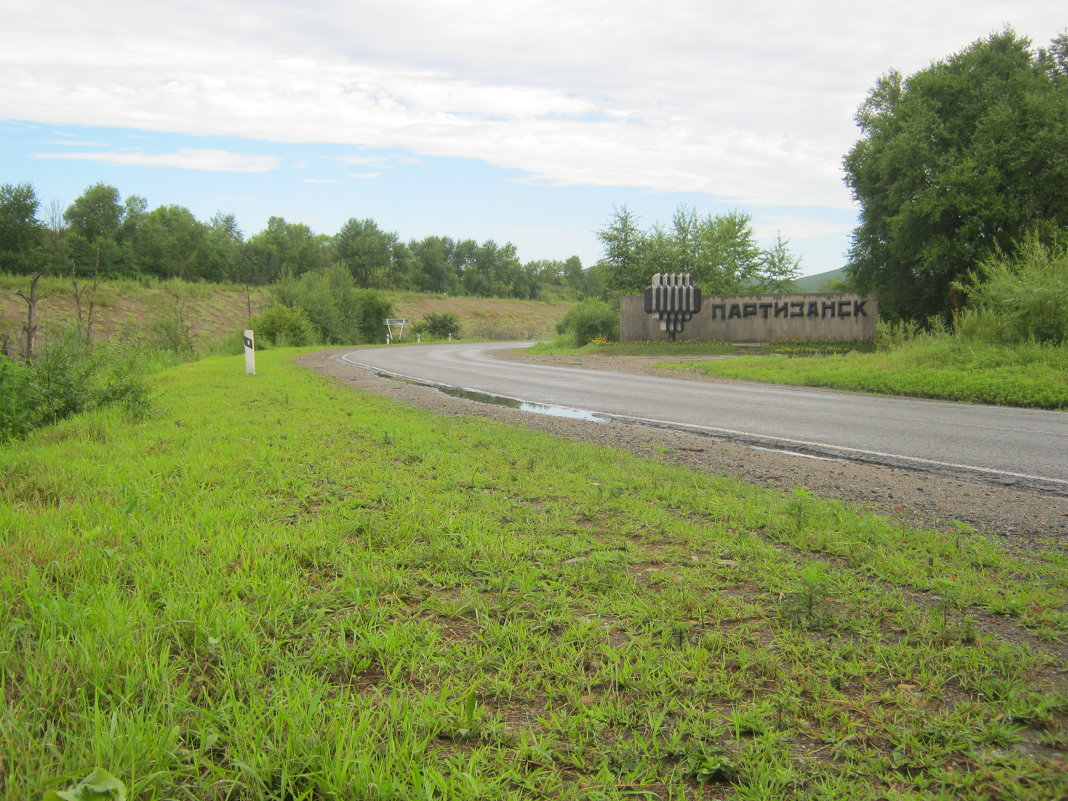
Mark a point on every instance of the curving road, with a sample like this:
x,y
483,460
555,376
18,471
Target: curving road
x,y
1028,448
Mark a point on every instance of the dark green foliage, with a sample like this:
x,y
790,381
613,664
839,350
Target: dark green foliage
x,y
957,163
283,326
371,310
282,249
376,258
21,233
102,235
68,377
18,401
591,319
439,325
1024,297
340,312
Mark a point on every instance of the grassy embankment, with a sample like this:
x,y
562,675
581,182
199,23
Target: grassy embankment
x,y
941,367
216,311
278,588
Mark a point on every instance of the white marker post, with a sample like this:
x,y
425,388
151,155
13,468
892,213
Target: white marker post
x,y
250,353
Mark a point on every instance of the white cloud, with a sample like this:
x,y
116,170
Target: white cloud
x,y
798,227
367,175
75,143
750,102
319,181
184,158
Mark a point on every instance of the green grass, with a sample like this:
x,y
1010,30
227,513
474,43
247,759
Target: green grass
x,y
276,588
946,368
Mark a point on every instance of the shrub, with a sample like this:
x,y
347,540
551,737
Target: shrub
x,y
62,374
589,320
371,310
439,325
18,400
1027,294
69,377
341,313
281,326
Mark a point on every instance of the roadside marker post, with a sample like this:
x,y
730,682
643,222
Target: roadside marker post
x,y
250,353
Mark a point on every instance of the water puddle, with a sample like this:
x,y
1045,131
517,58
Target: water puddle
x,y
524,406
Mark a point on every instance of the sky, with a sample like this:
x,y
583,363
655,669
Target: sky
x,y
528,121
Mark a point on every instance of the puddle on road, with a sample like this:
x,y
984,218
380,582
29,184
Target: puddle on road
x,y
525,406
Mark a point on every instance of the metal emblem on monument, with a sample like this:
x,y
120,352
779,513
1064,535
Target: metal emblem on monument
x,y
674,299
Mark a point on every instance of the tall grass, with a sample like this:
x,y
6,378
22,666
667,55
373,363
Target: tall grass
x,y
275,588
940,364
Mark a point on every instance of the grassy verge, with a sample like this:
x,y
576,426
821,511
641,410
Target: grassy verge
x,y
638,348
277,588
947,368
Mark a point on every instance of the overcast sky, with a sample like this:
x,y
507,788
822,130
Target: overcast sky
x,y
523,121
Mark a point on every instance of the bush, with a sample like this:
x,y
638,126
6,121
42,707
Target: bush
x,y
62,374
68,377
1027,295
283,326
18,400
341,313
439,325
589,320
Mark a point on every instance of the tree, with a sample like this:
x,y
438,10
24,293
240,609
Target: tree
x,y
729,258
957,162
433,269
174,244
21,250
621,240
97,213
21,233
719,251
340,312
376,258
94,223
779,268
282,249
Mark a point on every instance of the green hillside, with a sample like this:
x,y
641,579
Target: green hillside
x,y
818,282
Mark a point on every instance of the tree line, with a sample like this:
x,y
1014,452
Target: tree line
x,y
719,251
102,234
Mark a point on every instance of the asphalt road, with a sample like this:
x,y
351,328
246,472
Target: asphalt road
x,y
1022,447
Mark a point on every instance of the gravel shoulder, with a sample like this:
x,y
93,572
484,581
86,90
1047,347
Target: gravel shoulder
x,y
1022,518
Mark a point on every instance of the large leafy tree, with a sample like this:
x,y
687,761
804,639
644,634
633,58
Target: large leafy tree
x,y
21,233
282,249
957,162
366,250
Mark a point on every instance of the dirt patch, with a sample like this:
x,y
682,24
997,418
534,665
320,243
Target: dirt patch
x,y
489,318
1020,518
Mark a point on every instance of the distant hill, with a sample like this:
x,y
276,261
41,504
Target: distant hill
x,y
816,283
